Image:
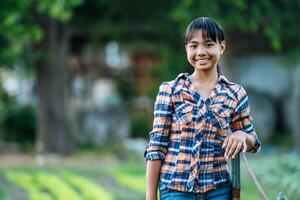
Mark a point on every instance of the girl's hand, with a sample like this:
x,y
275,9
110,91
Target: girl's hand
x,y
234,143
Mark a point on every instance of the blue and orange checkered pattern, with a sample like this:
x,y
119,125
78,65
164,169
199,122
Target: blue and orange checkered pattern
x,y
188,132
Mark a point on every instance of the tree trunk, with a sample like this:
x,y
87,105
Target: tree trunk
x,y
296,108
53,134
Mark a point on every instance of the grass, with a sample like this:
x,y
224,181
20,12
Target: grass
x,y
88,189
130,175
83,179
114,179
2,193
249,190
279,173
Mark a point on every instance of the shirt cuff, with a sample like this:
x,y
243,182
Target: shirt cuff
x,y
257,144
154,154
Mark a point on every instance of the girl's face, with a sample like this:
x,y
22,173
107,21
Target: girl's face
x,y
204,54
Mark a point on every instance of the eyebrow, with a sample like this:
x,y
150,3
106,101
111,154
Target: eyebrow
x,y
207,40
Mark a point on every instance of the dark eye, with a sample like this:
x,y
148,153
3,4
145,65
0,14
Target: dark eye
x,y
209,44
193,46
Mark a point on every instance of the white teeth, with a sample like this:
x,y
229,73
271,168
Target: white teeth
x,y
202,61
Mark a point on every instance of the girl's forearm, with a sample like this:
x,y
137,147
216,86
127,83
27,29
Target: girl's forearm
x,y
152,176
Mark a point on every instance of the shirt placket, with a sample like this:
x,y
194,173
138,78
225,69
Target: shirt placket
x,y
203,155
201,163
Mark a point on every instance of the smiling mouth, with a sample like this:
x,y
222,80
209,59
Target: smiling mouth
x,y
202,61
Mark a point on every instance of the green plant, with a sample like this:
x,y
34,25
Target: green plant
x,y
88,189
2,193
130,175
140,124
283,171
42,186
17,123
26,182
56,186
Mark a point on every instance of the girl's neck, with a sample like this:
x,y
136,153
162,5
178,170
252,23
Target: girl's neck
x,y
202,77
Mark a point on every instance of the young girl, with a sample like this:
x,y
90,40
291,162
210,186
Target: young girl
x,y
193,116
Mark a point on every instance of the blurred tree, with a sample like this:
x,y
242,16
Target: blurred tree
x,y
37,32
43,23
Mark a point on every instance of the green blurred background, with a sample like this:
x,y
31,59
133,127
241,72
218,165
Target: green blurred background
x,y
78,80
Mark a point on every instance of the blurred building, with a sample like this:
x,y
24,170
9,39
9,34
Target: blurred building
x,y
269,86
97,113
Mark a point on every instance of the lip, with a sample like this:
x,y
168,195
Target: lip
x,y
202,61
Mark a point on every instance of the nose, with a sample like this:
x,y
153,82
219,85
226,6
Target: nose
x,y
201,51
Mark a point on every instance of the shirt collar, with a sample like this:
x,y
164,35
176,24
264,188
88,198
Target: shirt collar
x,y
187,81
222,78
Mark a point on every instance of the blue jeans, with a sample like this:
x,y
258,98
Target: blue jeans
x,y
222,192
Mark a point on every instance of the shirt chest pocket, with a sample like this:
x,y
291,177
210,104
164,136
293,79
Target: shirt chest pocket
x,y
221,116
184,113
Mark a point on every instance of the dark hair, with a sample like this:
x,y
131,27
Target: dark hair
x,y
210,29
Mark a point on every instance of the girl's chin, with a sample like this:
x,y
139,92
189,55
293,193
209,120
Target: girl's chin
x,y
203,67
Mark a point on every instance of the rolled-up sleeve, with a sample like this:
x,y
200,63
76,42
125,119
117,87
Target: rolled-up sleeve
x,y
156,148
241,120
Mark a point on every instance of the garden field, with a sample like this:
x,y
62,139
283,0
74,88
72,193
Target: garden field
x,y
107,177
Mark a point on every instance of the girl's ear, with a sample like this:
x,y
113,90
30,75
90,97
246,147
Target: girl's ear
x,y
223,46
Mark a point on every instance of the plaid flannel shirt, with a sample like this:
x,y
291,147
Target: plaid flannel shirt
x,y
188,132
